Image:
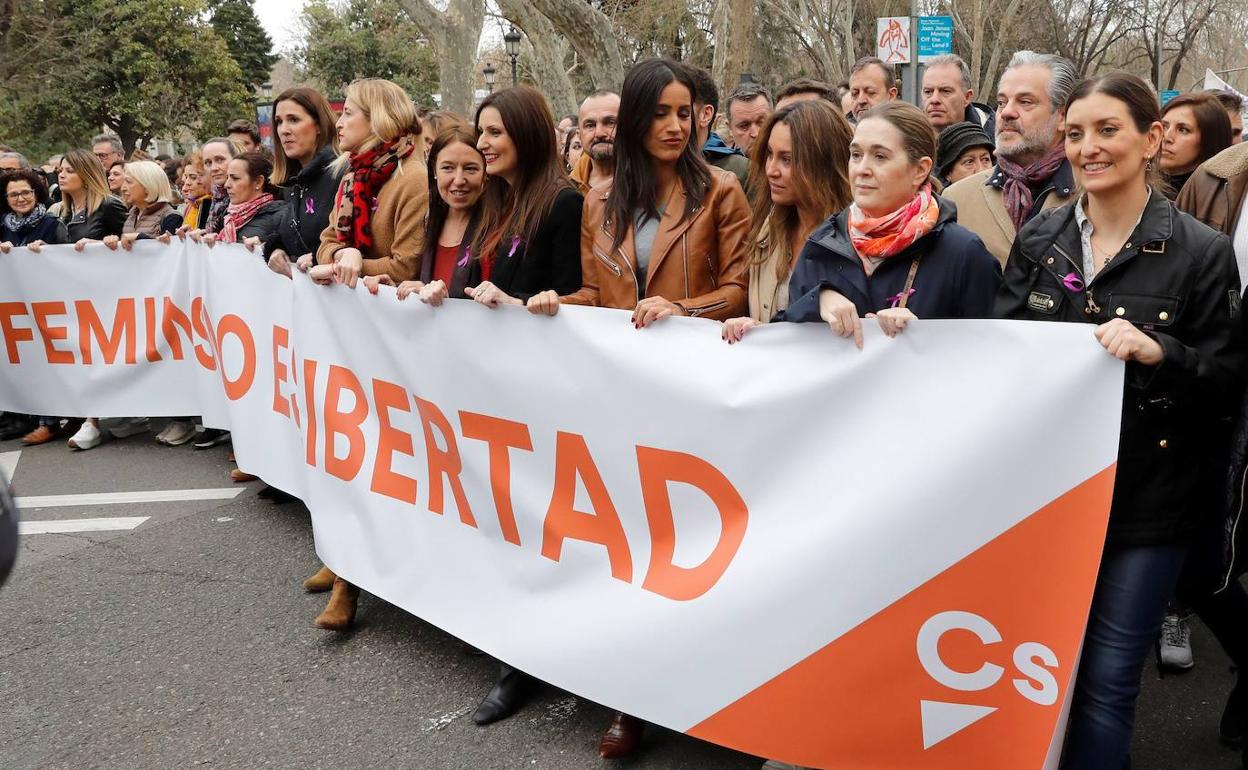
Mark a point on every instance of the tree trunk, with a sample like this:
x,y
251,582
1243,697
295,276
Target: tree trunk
x,y
546,50
590,32
733,23
454,34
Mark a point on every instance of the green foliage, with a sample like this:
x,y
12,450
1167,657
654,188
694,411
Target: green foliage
x,y
366,39
235,22
142,68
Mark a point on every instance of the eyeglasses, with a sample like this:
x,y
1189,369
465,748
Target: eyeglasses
x,y
16,196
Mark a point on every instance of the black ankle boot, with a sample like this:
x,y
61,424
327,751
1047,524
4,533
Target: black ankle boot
x,y
509,693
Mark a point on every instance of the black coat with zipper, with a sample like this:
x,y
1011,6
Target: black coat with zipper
x,y
956,278
1174,279
551,261
308,199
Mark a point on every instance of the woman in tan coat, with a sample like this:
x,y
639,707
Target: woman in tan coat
x,y
377,226
799,180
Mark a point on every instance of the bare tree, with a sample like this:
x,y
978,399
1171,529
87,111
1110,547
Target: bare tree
x,y
454,34
546,50
591,34
733,25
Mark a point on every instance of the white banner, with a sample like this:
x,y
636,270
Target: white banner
x,y
786,546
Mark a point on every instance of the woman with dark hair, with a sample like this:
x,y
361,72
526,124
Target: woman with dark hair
x,y
669,234
303,159
26,221
1196,128
24,216
254,210
1154,284
453,232
572,150
524,241
797,182
117,179
87,207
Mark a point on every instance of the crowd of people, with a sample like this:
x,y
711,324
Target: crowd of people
x,y
1065,200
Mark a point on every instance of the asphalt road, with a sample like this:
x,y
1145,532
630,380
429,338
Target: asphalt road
x,y
188,642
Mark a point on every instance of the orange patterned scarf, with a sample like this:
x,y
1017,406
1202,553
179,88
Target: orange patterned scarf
x,y
877,238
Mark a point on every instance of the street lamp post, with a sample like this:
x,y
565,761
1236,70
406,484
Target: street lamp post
x,y
512,40
490,73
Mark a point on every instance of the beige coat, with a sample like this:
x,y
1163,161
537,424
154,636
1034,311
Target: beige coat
x,y
398,225
981,209
768,294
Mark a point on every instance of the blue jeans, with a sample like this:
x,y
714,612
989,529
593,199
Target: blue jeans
x,y
1132,590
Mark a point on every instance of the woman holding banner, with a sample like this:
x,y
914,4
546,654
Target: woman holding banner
x,y
669,236
797,182
526,241
1162,292
376,226
303,166
87,207
896,253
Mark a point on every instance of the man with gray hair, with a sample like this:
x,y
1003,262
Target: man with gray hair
x,y
1031,173
948,97
13,161
108,149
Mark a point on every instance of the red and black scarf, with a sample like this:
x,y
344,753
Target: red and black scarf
x,y
361,184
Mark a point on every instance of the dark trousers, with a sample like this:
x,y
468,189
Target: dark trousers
x,y
1132,590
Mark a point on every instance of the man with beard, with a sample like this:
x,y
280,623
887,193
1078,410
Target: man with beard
x,y
1032,173
595,123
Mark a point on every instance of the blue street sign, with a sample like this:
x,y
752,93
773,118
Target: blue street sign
x,y
935,36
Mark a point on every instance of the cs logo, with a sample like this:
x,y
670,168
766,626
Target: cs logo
x,y
1032,662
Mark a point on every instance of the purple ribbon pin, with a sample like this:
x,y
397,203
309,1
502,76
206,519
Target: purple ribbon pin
x,y
515,244
464,260
895,300
309,205
1073,282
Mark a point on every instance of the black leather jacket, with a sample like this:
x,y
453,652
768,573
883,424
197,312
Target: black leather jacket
x,y
308,201
1176,280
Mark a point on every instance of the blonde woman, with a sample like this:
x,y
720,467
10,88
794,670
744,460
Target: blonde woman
x,y
151,198
377,226
87,207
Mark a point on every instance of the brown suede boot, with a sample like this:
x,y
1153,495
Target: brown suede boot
x,y
339,614
323,580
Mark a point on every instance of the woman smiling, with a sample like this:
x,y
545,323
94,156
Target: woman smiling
x,y
1160,292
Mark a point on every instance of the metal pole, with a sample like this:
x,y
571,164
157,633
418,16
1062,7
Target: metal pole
x,y
911,75
514,81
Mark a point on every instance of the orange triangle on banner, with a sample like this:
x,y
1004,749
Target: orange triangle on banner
x,y
969,670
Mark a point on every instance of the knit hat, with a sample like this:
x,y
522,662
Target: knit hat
x,y
957,139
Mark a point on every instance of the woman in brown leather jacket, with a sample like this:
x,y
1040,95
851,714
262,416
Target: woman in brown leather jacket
x,y
670,234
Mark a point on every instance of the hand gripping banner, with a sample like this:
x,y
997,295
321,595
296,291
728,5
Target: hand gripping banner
x,y
874,559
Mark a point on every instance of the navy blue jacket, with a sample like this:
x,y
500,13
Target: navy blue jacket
x,y
957,277
48,229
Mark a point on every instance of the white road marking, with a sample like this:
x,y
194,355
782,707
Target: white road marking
x,y
67,526
122,498
8,463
